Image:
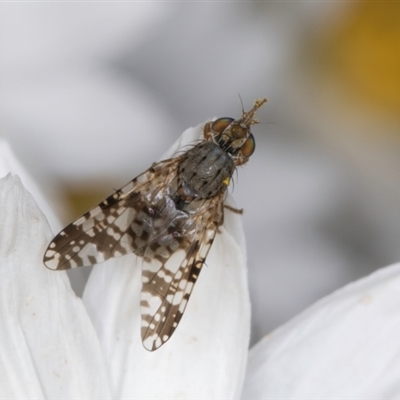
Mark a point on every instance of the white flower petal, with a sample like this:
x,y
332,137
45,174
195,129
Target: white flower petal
x,y
206,357
345,346
8,163
48,346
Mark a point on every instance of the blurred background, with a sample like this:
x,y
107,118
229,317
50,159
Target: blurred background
x,y
92,93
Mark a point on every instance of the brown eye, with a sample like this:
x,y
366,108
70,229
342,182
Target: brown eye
x,y
220,124
248,146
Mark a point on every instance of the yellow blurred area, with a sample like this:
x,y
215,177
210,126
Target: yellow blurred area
x,y
360,50
366,50
83,196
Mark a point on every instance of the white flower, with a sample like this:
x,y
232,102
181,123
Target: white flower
x,y
54,345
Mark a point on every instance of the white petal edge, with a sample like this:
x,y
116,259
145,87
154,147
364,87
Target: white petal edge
x,y
346,346
9,164
48,346
207,355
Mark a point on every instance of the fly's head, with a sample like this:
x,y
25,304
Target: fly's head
x,y
234,136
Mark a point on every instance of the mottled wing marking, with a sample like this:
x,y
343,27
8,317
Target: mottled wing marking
x,y
109,230
167,288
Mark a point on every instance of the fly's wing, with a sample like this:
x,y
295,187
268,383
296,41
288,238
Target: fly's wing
x,y
143,218
109,229
177,260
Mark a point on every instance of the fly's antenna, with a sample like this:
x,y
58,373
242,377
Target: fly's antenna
x,y
241,102
247,117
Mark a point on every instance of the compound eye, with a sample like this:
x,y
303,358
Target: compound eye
x,y
248,146
220,124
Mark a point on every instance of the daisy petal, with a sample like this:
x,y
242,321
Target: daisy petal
x,y
344,346
206,357
48,346
9,163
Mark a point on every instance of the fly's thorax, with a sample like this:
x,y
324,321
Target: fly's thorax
x,y
204,172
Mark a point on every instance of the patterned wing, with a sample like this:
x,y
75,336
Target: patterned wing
x,y
146,218
167,286
118,225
